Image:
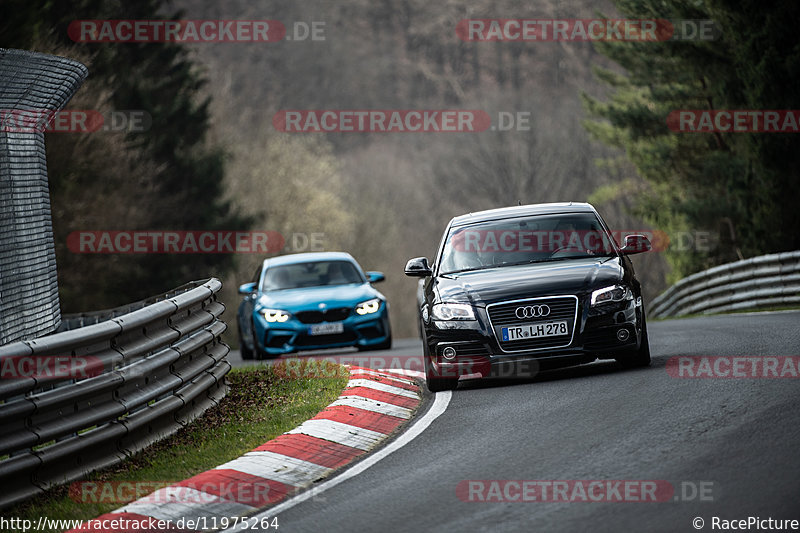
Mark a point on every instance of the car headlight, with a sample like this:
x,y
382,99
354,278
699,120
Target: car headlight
x,y
275,315
614,293
368,307
452,312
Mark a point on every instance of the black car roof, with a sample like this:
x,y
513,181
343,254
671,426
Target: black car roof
x,y
522,210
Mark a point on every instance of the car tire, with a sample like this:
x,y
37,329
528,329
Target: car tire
x,y
244,351
641,357
436,383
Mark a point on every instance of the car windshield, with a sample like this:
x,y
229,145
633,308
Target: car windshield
x,y
530,239
311,274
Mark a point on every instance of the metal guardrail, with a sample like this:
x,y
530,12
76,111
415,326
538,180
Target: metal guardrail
x,y
79,320
157,368
764,281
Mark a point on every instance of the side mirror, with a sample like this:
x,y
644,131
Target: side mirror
x,y
635,244
375,277
418,267
247,288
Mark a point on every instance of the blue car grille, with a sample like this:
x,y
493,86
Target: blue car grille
x,y
335,314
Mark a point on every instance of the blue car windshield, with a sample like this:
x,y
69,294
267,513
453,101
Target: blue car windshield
x,y
311,274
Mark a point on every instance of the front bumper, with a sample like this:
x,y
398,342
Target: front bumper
x,y
293,335
596,334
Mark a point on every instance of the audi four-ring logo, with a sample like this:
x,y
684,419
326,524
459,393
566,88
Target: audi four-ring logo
x,y
532,311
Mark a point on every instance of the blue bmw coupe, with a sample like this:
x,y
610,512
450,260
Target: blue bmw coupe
x,y
311,301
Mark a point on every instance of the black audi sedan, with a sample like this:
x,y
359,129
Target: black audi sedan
x,y
517,290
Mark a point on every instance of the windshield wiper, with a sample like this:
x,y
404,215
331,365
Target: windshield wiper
x,y
549,259
471,269
531,261
553,259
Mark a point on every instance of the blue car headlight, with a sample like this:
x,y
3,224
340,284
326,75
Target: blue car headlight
x,y
275,315
368,307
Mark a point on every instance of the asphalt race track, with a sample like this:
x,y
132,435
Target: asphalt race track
x,y
728,447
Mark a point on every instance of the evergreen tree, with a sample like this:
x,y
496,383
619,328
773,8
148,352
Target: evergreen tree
x,y
742,186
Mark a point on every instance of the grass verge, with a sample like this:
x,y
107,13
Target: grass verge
x,y
262,403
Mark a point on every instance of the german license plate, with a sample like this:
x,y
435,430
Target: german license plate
x,y
328,328
534,331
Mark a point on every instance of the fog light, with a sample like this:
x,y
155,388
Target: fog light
x,y
623,334
449,353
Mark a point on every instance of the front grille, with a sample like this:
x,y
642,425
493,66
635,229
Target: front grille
x,y
504,314
335,314
561,308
